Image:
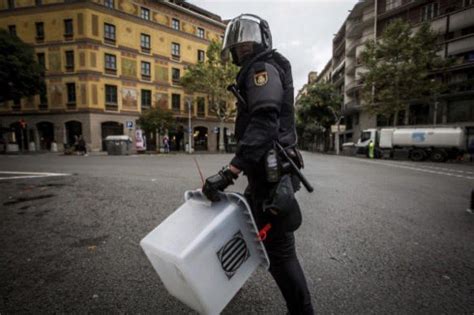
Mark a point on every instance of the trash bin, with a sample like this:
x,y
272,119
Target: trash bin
x,y
118,145
204,252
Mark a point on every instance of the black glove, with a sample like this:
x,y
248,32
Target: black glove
x,y
218,182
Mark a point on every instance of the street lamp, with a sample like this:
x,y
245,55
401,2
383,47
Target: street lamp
x,y
190,130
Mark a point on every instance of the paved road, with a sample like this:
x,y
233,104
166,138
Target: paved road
x,y
378,236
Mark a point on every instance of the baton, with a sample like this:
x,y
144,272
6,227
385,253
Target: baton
x,y
295,169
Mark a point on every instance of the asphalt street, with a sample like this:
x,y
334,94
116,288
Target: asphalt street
x,y
382,237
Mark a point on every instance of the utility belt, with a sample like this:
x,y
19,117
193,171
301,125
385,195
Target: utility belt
x,y
282,166
278,162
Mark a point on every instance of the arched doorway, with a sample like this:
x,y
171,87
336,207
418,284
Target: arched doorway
x,y
21,137
200,138
176,138
110,128
73,130
46,134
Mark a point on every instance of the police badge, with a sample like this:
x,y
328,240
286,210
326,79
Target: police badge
x,y
260,78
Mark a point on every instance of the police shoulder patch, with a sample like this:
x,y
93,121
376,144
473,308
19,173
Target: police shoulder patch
x,y
260,78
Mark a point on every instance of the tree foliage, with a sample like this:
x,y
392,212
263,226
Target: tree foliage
x,y
399,68
156,119
212,78
316,111
20,73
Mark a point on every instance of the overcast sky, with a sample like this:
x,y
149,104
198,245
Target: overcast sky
x,y
302,30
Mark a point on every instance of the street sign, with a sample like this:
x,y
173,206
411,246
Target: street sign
x,y
129,124
216,130
342,128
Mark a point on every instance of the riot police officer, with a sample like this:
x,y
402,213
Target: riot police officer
x,y
265,115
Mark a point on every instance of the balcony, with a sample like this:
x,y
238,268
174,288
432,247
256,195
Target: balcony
x,y
351,49
461,19
353,86
71,106
461,45
111,107
355,29
461,88
16,107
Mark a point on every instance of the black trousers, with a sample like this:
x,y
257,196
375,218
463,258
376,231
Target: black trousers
x,y
284,265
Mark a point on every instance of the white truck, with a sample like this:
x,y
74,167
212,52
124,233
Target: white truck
x,y
418,144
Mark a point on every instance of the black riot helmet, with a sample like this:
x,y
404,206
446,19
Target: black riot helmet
x,y
246,28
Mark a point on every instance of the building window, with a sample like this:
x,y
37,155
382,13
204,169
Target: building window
x,y
145,43
201,107
460,111
467,3
11,4
429,11
146,70
12,30
392,4
41,61
38,2
109,33
175,50
110,63
71,94
109,4
176,102
200,32
111,97
69,60
175,24
201,55
144,13
39,31
146,99
175,75
68,29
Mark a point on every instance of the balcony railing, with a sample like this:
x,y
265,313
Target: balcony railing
x,y
461,45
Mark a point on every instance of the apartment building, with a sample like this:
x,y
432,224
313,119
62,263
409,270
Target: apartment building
x,y
453,20
105,62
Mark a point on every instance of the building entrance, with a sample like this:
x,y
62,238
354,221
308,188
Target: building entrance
x,y
46,134
110,128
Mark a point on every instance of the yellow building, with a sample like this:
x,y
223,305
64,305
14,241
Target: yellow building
x,y
106,61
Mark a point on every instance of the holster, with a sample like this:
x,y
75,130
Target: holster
x,y
282,208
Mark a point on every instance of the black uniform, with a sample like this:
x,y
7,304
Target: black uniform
x,y
266,84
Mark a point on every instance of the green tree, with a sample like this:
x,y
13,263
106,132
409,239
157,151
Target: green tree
x,y
316,111
212,78
20,73
400,69
156,120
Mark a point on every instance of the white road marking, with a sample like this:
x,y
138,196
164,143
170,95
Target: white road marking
x,y
26,175
442,168
418,168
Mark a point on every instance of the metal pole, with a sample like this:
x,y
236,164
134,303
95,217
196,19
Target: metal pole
x,y
338,122
190,131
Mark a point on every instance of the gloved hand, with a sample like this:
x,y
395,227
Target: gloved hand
x,y
218,182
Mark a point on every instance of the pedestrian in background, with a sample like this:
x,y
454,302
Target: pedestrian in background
x,y
371,149
166,144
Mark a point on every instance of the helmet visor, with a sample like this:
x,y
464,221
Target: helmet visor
x,y
240,31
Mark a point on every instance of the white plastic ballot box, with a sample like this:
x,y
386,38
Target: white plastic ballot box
x,y
204,252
